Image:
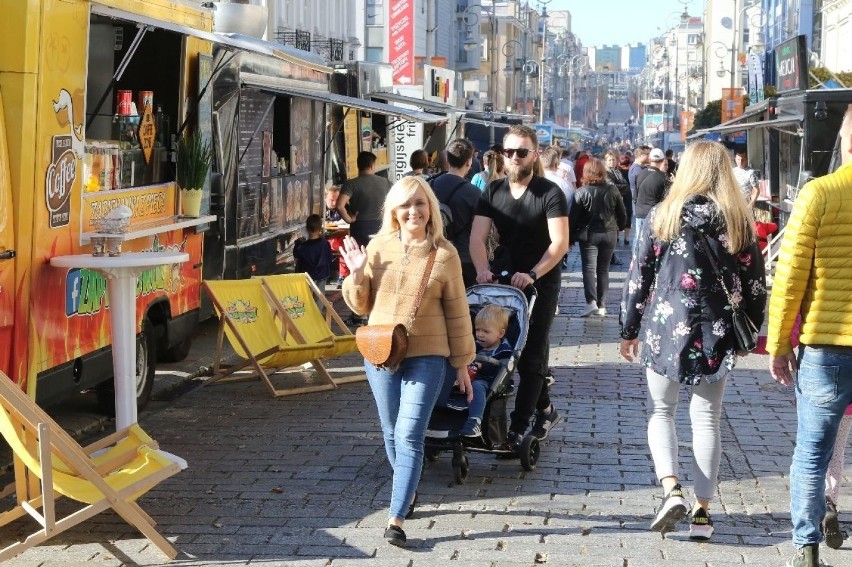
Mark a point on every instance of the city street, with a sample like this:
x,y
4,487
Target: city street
x,y
303,480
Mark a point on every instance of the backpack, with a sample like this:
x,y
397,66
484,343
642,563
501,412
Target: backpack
x,y
451,230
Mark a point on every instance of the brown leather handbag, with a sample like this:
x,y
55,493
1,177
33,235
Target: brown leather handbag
x,y
385,346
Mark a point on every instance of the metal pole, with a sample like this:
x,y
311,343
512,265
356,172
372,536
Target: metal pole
x,y
541,69
734,42
571,94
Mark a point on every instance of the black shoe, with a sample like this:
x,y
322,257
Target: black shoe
x,y
671,510
544,422
395,536
513,441
831,527
410,513
615,261
701,526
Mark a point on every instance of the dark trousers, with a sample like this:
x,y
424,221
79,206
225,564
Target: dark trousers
x,y
595,254
533,393
468,274
363,231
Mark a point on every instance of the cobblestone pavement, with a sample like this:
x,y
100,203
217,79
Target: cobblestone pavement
x,y
303,480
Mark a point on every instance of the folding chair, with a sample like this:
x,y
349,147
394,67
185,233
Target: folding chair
x,y
247,319
296,300
111,473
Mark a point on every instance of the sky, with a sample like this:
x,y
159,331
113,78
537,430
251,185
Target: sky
x,y
608,22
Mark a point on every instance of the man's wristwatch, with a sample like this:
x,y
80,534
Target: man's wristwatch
x,y
533,275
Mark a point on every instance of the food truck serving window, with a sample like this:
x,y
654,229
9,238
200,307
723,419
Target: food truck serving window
x,y
132,98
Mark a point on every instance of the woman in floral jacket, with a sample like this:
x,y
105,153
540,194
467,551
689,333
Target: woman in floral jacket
x,y
688,336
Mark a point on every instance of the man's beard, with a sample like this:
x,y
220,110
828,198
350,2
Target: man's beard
x,y
520,172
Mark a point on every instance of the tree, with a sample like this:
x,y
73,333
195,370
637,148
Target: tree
x,y
822,74
709,116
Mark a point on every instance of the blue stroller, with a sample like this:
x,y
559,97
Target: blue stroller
x,y
445,421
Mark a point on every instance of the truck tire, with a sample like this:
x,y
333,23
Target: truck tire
x,y
146,366
178,352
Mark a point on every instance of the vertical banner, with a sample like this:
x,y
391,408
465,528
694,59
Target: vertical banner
x,y
405,137
755,78
687,119
401,40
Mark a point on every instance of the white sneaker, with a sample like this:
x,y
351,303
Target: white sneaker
x,y
590,308
602,312
672,509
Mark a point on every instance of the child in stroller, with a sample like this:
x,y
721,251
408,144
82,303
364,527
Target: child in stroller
x,y
448,422
490,327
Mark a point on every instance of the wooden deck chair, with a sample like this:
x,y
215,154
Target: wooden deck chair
x,y
247,319
296,300
111,473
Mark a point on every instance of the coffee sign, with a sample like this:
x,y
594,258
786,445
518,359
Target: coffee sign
x,y
791,65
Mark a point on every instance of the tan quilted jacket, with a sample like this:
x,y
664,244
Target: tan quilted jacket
x,y
814,272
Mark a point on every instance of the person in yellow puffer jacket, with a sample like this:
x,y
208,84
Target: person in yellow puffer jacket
x,y
814,276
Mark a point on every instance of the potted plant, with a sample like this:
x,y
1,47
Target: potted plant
x,y
194,156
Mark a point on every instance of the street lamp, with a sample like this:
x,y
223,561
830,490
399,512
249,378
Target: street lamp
x,y
544,17
571,87
509,49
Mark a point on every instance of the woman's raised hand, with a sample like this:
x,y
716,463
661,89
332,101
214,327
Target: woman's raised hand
x,y
354,255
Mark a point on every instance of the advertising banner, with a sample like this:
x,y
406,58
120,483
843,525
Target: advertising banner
x,y
755,78
544,133
401,40
405,137
732,104
687,119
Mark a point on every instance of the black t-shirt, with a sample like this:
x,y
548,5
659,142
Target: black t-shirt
x,y
522,223
465,197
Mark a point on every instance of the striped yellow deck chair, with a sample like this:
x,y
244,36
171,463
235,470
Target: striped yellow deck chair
x,y
111,473
247,319
296,300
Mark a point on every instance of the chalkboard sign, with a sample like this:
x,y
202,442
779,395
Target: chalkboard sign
x,y
256,117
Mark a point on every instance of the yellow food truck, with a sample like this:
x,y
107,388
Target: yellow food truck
x,y
93,95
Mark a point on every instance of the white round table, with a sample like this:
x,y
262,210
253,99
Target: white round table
x,y
121,273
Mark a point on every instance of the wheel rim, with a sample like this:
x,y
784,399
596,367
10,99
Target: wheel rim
x,y
141,364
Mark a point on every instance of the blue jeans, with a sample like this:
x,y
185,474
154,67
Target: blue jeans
x,y
637,228
405,400
480,392
823,390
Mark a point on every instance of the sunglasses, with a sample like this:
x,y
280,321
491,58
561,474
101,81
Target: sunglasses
x,y
522,152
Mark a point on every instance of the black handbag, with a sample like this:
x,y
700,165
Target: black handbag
x,y
745,331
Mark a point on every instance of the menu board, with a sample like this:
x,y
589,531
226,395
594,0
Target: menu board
x,y
352,141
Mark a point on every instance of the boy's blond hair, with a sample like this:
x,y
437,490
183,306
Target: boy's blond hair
x,y
493,314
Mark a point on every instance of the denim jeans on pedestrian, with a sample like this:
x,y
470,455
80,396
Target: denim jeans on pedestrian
x,y
596,252
532,393
823,390
405,400
637,228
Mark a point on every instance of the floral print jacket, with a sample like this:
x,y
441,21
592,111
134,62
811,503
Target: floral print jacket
x,y
672,286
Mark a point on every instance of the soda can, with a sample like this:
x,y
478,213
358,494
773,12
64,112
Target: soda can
x,y
146,98
123,102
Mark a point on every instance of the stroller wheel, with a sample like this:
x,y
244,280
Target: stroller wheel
x,y
461,465
529,452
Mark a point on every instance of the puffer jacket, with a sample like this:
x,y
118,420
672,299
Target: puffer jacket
x,y
814,271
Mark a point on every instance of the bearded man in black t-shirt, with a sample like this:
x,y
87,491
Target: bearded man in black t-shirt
x,y
531,216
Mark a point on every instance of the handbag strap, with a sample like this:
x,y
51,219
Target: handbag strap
x,y
430,261
715,266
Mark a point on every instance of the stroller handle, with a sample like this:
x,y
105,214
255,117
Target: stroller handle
x,y
505,278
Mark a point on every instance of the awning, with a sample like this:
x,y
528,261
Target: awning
x,y
275,85
427,105
730,126
231,41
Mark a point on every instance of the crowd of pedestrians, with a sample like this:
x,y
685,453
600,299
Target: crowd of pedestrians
x,y
696,260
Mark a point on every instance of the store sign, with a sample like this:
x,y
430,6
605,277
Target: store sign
x,y
439,85
405,137
791,65
401,40
544,133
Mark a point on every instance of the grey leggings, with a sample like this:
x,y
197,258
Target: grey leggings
x,y
705,410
